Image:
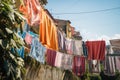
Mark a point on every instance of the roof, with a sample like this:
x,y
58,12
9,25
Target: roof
x,y
115,42
61,23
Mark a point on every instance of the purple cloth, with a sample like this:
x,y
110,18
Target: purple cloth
x,y
51,55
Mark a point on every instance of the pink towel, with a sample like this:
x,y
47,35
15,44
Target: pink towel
x,y
28,38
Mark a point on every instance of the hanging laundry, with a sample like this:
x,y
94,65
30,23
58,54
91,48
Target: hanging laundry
x,y
79,65
109,63
37,50
96,50
69,46
63,61
48,32
33,34
77,49
22,34
109,68
50,57
61,41
67,61
26,27
85,53
94,66
117,62
28,38
116,50
31,10
58,59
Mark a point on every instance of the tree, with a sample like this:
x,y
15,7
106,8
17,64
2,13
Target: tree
x,y
11,64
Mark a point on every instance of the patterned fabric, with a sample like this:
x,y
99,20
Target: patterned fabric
x,y
50,57
69,46
37,50
79,65
63,61
77,49
67,61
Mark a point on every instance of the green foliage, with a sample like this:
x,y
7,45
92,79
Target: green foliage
x,y
11,64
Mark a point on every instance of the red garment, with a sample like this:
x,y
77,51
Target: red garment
x,y
50,57
96,50
79,65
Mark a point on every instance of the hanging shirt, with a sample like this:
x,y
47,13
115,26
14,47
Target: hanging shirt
x,y
50,57
37,50
79,65
48,32
96,50
77,49
69,46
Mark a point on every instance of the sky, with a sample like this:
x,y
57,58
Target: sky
x,y
103,25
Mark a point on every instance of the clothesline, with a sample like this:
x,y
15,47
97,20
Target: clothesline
x,y
51,42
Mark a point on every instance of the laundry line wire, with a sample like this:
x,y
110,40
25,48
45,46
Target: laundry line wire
x,y
103,10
